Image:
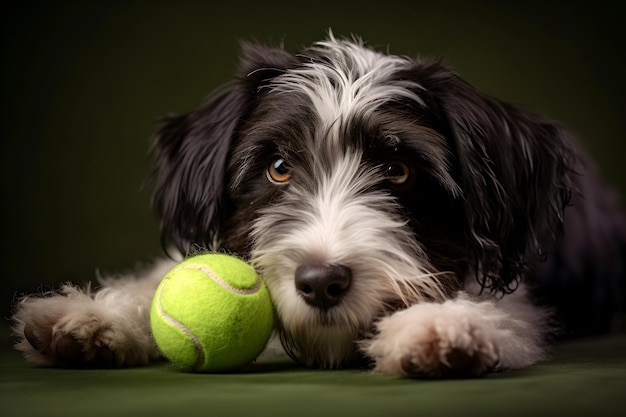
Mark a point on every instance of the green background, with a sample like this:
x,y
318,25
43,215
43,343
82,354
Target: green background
x,y
83,84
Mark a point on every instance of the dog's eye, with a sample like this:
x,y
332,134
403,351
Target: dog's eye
x,y
278,172
397,172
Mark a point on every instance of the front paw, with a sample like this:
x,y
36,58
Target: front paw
x,y
76,342
71,329
434,340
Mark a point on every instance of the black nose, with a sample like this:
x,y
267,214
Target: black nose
x,y
323,286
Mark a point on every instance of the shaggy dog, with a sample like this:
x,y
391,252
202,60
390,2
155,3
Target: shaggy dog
x,y
400,218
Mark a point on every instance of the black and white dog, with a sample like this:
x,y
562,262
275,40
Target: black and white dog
x,y
399,217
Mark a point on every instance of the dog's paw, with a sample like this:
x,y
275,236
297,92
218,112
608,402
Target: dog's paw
x,y
71,340
71,329
453,339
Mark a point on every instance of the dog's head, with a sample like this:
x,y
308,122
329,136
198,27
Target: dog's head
x,y
358,182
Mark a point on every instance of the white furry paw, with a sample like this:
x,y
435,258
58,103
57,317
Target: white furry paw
x,y
72,329
456,338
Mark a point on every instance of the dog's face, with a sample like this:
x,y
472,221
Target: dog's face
x,y
359,183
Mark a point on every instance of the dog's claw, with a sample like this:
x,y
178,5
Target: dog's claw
x,y
32,338
458,362
410,368
67,350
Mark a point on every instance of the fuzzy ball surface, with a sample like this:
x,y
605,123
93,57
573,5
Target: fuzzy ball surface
x,y
211,313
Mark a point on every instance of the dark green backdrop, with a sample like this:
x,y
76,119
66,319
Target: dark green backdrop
x,y
83,84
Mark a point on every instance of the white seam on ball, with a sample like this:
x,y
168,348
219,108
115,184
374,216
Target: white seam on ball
x,y
182,328
242,291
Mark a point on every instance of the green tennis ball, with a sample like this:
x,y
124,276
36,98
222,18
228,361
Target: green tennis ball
x,y
211,313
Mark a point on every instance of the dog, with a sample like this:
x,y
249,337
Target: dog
x,y
402,221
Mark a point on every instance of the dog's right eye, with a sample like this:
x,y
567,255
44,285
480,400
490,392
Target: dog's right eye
x,y
278,172
397,172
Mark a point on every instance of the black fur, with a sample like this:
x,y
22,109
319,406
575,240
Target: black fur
x,y
192,150
516,170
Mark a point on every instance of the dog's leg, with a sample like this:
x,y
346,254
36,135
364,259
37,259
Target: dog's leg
x,y
79,328
460,337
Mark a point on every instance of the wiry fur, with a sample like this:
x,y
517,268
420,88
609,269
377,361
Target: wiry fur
x,y
435,261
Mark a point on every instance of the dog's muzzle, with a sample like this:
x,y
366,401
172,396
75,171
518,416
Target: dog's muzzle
x,y
323,286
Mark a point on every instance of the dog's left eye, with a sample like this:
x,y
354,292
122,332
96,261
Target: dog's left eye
x,y
397,172
278,172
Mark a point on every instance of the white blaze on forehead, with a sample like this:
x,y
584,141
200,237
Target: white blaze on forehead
x,y
342,79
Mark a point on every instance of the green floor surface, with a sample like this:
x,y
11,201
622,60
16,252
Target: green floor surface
x,y
584,378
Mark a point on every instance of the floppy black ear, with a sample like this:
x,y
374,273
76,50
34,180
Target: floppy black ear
x,y
191,153
515,170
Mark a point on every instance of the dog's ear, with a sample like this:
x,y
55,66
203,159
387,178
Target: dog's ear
x,y
515,170
191,152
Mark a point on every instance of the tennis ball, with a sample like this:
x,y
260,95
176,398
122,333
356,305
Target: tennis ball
x,y
211,313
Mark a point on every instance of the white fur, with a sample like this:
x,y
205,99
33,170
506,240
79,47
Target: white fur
x,y
352,85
